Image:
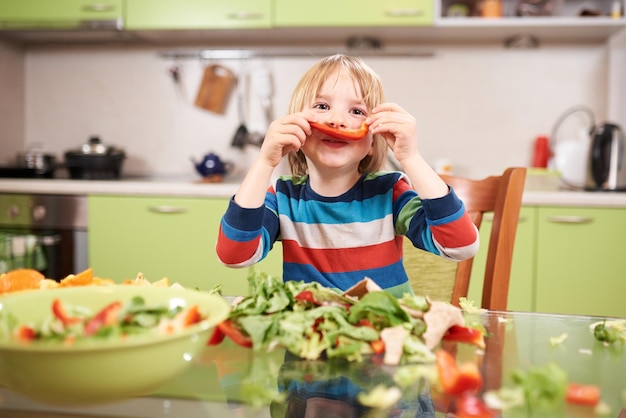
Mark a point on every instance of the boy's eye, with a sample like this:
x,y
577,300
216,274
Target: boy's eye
x,y
322,106
358,112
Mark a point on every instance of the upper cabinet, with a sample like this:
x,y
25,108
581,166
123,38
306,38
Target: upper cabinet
x,y
197,14
322,13
61,14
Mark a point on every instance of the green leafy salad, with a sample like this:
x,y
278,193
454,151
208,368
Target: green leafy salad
x,y
310,320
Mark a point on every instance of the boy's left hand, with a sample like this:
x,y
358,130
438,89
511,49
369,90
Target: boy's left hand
x,y
397,126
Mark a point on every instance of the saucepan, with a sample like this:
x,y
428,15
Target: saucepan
x,y
95,161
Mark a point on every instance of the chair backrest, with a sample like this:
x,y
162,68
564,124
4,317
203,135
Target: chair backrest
x,y
501,195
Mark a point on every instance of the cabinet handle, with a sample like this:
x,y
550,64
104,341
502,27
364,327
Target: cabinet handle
x,y
245,15
403,12
98,7
167,209
565,219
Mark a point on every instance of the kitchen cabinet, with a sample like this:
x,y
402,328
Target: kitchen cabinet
x,y
197,14
580,260
60,14
290,13
521,285
566,260
160,237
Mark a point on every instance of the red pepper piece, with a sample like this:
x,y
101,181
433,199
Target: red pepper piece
x,y
588,395
378,346
461,334
471,406
190,316
457,380
217,337
25,333
59,311
305,296
231,331
107,316
347,134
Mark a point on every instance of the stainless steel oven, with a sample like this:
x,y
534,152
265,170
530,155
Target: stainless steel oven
x,y
44,232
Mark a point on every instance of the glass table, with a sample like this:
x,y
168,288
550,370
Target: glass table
x,y
227,380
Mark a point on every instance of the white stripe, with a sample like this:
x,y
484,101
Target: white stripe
x,y
350,235
459,253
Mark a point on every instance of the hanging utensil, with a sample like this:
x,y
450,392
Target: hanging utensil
x,y
242,134
263,84
177,77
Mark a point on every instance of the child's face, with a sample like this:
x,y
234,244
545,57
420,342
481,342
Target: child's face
x,y
339,104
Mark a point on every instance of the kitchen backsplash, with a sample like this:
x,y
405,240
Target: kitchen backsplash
x,y
479,107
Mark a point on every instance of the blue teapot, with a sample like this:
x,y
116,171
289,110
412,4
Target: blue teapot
x,y
211,164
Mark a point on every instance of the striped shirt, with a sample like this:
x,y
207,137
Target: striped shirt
x,y
338,241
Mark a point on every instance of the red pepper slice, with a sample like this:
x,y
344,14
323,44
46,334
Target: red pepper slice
x,y
107,316
232,332
588,395
378,346
59,311
347,134
457,380
25,333
306,296
217,337
461,334
471,406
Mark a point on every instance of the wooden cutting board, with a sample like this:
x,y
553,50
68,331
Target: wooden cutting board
x,y
215,88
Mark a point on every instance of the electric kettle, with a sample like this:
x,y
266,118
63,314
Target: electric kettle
x,y
607,159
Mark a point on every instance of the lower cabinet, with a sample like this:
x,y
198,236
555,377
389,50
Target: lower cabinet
x,y
568,260
160,237
581,260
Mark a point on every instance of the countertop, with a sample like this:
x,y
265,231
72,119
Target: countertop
x,y
193,187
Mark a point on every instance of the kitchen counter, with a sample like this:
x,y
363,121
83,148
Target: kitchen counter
x,y
193,187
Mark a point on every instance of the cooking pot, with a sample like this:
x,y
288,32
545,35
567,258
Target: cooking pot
x,y
95,161
34,158
607,159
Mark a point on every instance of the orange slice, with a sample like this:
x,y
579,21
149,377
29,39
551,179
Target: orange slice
x,y
83,278
20,279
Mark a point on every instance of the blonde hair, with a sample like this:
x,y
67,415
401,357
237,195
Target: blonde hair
x,y
370,88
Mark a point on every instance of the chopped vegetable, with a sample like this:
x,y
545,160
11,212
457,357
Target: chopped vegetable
x,y
610,332
470,405
544,387
456,380
553,341
458,333
347,134
588,395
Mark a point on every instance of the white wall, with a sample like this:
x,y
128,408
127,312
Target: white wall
x,y
479,106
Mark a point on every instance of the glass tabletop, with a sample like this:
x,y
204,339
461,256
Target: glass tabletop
x,y
228,380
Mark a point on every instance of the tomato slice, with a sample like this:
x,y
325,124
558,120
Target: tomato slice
x,y
25,333
588,395
378,346
461,334
347,134
471,406
231,331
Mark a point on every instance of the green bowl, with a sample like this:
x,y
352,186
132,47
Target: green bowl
x,y
109,370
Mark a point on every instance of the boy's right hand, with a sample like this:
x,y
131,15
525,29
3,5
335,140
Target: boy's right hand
x,y
285,134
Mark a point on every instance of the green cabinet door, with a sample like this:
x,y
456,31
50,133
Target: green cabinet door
x,y
197,14
521,285
160,237
58,13
580,261
294,13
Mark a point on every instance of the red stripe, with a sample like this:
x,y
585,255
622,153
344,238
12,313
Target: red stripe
x,y
235,252
344,259
459,233
399,188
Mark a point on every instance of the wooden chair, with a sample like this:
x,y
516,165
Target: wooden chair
x,y
501,195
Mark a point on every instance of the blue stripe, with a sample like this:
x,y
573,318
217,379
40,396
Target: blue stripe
x,y
238,234
447,219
